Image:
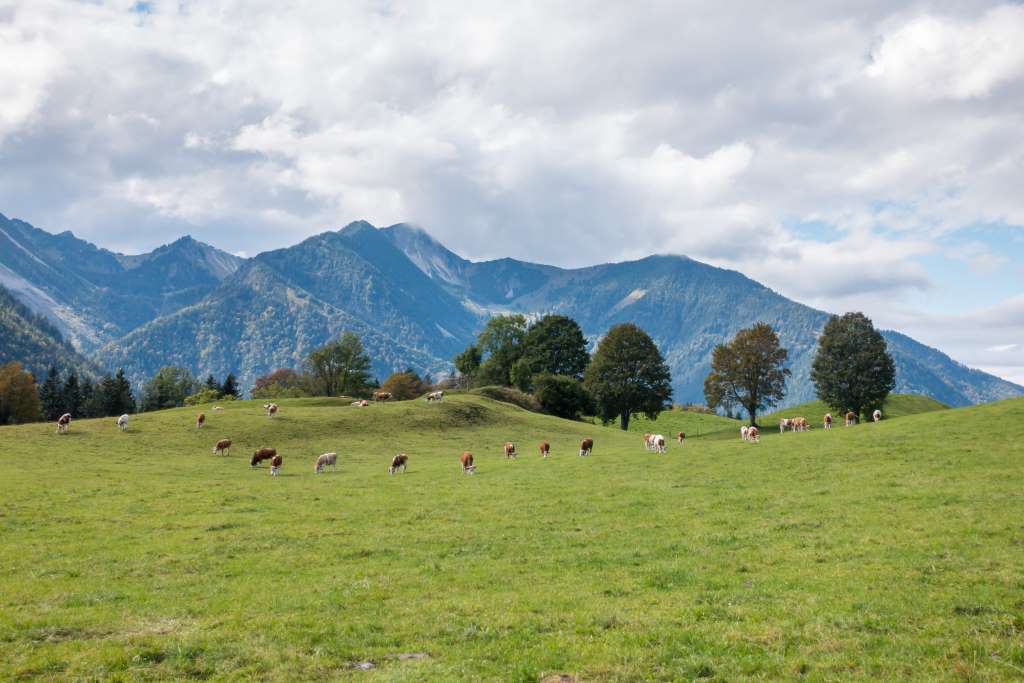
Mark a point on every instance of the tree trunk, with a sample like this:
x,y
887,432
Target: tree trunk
x,y
624,420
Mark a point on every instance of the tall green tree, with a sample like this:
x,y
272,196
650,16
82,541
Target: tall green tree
x,y
211,383
553,345
72,394
468,363
122,400
230,386
51,396
502,343
748,371
628,375
340,367
168,388
19,395
87,406
853,369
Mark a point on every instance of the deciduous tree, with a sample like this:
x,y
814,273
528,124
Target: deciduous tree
x,y
748,371
628,375
853,369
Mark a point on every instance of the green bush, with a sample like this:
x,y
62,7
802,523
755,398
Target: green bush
x,y
562,396
509,395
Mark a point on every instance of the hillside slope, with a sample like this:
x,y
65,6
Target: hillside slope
x,y
888,551
34,342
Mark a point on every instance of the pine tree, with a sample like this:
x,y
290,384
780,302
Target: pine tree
x,y
212,384
51,395
86,392
122,400
230,386
72,395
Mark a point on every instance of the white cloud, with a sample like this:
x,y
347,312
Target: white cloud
x,y
566,133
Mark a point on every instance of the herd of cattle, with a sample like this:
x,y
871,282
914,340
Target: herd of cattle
x,y
651,442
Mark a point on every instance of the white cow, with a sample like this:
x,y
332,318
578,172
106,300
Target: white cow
x,y
122,422
745,432
327,459
877,415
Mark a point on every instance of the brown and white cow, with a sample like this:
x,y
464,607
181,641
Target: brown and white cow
x,y
827,422
275,465
63,423
467,463
222,447
877,415
586,446
382,396
545,449
647,441
271,409
435,396
680,437
851,418
658,441
325,460
745,433
261,455
800,424
510,450
360,404
400,460
200,420
753,435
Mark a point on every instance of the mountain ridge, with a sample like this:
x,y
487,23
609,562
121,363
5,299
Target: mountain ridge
x,y
417,303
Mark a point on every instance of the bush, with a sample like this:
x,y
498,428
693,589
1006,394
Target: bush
x,y
207,396
562,396
509,395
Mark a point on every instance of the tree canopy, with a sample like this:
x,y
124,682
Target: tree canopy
x,y
553,345
853,369
19,396
167,388
627,375
340,367
748,371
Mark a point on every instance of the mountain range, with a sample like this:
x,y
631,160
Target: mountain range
x,y
414,303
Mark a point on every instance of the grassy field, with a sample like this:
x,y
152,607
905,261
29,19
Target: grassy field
x,y
881,552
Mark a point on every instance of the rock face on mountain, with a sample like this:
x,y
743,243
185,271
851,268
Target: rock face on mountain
x,y
95,296
414,302
32,340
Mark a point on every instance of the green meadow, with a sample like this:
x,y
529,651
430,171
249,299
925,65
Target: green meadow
x,y
889,551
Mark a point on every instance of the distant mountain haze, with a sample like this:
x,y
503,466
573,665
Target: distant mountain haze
x,y
414,303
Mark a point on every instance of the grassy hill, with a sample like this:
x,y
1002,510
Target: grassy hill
x,y
897,405
886,551
671,422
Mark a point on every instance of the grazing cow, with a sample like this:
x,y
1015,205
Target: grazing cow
x,y
877,415
326,459
222,447
545,448
200,420
261,455
586,446
828,421
647,441
401,459
510,450
122,423
753,435
63,423
271,409
218,407
851,418
680,437
275,465
784,424
659,443
435,396
361,403
467,463
799,424
381,396
745,433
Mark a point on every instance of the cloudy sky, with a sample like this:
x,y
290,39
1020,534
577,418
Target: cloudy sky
x,y
851,155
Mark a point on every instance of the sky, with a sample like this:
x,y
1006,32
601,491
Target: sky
x,y
850,155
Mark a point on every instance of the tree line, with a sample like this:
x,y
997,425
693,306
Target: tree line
x,y
547,358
